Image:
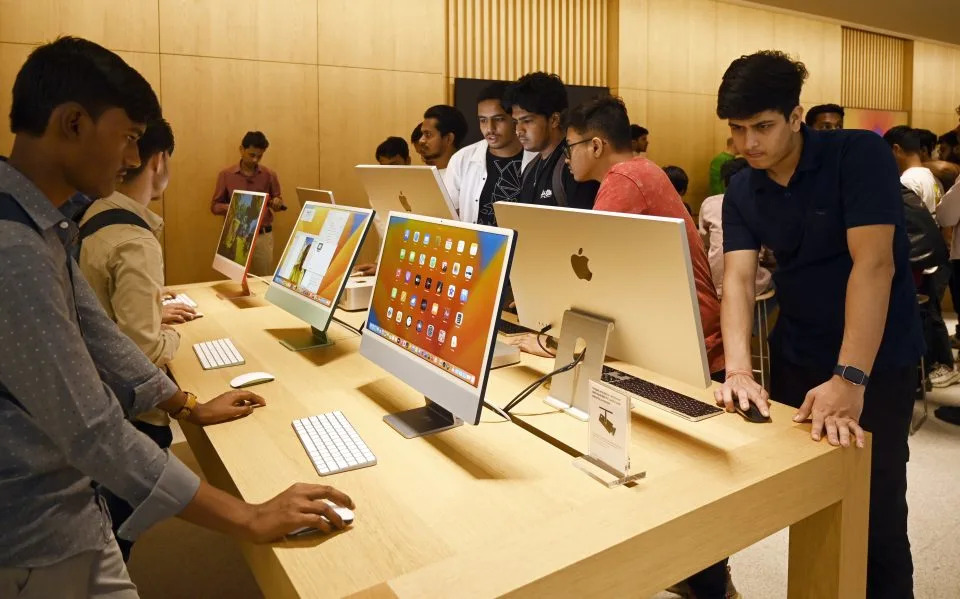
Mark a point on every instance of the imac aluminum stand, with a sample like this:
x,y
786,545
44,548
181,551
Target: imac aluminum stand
x,y
570,391
316,339
422,421
244,291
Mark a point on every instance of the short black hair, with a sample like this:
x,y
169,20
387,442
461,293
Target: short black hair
x,y
449,120
255,139
767,80
949,138
636,131
928,139
156,139
417,134
495,90
906,137
72,69
678,177
819,109
605,115
731,168
393,146
539,93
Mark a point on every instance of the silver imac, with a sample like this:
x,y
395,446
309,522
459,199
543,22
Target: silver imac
x,y
415,189
240,229
306,194
433,315
316,264
595,269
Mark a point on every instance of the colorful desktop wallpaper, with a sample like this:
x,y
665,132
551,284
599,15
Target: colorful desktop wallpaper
x,y
878,121
437,293
320,252
240,226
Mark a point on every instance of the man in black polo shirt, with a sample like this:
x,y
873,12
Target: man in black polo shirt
x,y
848,340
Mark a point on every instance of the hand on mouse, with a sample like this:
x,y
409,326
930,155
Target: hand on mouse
x,y
527,344
835,405
176,313
300,505
228,406
365,270
742,387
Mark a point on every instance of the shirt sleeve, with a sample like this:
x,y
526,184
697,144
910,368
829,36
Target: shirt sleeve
x,y
54,375
451,180
737,235
948,212
220,203
135,270
869,183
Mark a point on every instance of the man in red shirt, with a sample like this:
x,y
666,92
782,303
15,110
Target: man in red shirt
x,y
598,149
249,175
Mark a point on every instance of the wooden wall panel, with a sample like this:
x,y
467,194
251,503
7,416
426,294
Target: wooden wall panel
x,y
740,30
131,25
373,34
211,104
12,57
936,78
682,39
370,105
819,46
504,39
875,71
274,30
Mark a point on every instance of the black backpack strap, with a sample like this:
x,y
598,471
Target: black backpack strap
x,y
114,216
10,210
559,191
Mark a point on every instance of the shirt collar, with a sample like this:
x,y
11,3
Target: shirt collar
x,y
33,201
125,202
239,170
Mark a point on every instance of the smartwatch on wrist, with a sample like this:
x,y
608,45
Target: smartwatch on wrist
x,y
187,408
852,375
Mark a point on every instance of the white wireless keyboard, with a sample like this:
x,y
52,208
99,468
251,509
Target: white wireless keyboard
x,y
180,298
219,353
332,443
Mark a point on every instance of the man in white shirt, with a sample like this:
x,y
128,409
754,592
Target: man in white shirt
x,y
489,170
907,145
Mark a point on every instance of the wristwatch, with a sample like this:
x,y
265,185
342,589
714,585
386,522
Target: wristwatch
x,y
852,375
187,408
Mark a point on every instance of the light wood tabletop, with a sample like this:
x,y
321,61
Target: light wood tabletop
x,y
499,509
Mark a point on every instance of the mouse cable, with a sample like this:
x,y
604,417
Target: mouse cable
x,y
498,411
540,334
536,384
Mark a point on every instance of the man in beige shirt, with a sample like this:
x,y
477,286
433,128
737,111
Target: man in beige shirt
x,y
121,258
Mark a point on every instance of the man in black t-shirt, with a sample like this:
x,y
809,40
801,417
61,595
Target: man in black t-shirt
x,y
487,171
536,102
848,340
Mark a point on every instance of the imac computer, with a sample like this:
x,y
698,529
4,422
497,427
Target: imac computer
x,y
239,234
416,189
306,194
622,283
433,315
315,265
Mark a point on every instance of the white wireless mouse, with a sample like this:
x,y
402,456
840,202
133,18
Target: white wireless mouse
x,y
345,514
251,378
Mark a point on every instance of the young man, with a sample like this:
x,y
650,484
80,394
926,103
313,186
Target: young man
x,y
948,216
907,147
490,170
848,340
69,379
598,149
442,131
825,117
928,144
415,138
536,102
716,179
639,142
393,152
711,229
250,175
948,147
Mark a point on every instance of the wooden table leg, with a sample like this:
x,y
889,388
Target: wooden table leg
x,y
828,549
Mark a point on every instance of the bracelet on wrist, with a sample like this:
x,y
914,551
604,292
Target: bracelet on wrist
x,y
189,405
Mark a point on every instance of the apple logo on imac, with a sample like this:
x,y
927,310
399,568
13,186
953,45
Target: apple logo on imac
x,y
579,262
404,202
